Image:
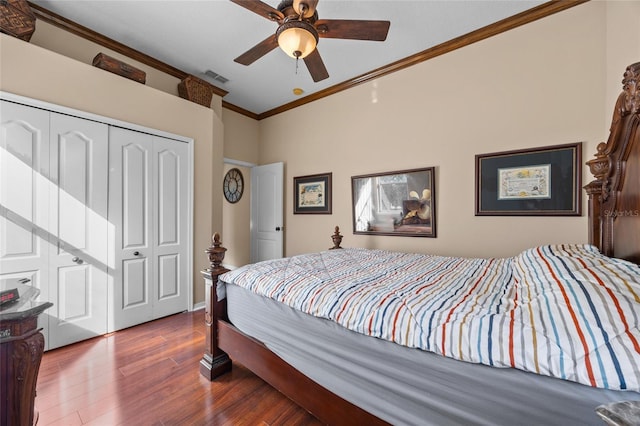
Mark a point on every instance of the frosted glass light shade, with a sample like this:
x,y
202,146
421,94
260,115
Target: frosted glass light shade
x,y
296,39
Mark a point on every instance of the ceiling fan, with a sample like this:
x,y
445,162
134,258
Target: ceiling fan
x,y
299,30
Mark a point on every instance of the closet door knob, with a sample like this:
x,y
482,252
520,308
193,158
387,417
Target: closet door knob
x,y
77,260
136,253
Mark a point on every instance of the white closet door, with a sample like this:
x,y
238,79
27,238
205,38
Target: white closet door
x,y
24,197
130,205
97,217
148,208
78,213
170,217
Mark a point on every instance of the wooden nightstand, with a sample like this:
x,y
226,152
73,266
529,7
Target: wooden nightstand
x,y
21,348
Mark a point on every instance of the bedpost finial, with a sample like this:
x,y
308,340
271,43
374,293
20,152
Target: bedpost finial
x,y
216,253
599,166
336,238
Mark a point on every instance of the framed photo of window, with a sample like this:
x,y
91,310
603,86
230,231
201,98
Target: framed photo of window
x,y
400,203
531,182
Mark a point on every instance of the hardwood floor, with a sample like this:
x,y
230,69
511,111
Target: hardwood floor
x,y
148,375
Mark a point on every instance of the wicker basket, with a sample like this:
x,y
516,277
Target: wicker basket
x,y
17,19
196,90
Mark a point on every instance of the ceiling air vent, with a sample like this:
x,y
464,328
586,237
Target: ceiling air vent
x,y
216,77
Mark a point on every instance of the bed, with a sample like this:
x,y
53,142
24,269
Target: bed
x,y
558,334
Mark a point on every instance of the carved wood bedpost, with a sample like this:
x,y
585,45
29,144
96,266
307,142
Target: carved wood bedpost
x,y
599,167
214,362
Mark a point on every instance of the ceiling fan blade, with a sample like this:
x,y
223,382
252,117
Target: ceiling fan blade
x,y
310,7
316,67
261,9
353,29
258,51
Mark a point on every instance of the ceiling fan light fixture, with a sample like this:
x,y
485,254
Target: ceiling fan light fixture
x,y
297,38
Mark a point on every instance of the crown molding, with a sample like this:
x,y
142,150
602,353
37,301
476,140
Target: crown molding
x,y
239,110
496,28
90,35
499,27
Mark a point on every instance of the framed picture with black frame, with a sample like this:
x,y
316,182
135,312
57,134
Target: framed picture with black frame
x,y
530,182
312,194
397,203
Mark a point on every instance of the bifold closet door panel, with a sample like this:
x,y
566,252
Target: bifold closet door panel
x,y
130,215
24,198
53,223
171,240
148,209
78,262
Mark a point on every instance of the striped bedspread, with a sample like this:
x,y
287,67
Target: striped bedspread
x,y
564,311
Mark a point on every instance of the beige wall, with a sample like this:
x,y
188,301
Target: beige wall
x,y
552,81
542,84
241,136
32,71
72,46
623,45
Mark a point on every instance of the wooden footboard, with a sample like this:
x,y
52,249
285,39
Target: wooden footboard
x,y
225,342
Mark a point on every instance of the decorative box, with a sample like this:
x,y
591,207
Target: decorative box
x,y
115,66
17,19
196,90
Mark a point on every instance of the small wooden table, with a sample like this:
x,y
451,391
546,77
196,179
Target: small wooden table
x,y
21,349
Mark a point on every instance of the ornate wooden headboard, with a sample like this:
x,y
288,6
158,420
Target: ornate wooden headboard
x,y
614,196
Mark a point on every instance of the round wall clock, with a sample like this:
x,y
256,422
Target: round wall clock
x,y
233,185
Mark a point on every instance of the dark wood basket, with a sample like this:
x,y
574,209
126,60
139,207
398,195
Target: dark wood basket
x,y
17,19
116,66
196,90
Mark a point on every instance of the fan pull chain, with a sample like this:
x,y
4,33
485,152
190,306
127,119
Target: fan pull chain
x,y
297,54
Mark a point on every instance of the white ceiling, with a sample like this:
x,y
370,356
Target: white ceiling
x,y
199,35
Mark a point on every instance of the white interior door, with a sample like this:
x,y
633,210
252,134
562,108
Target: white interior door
x,y
171,223
78,214
267,223
24,197
130,203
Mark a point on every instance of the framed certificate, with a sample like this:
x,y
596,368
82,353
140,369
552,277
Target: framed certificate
x,y
532,182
